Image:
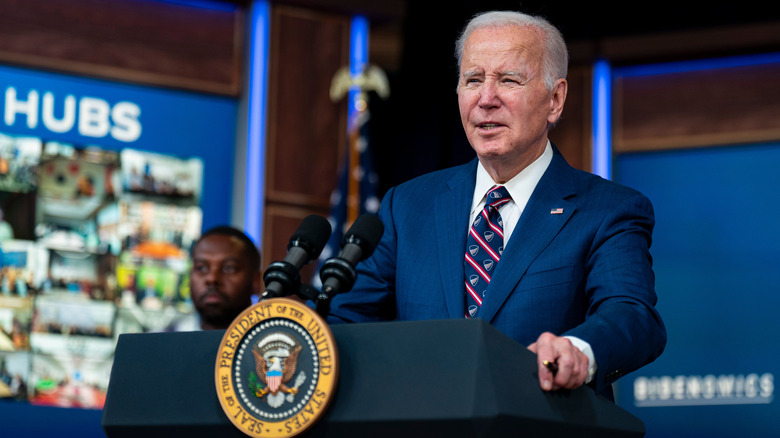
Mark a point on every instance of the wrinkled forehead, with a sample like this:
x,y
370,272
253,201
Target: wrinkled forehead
x,y
504,47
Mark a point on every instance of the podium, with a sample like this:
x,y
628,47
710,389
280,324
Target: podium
x,y
453,378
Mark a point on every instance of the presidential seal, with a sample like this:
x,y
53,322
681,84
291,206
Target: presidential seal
x,y
276,369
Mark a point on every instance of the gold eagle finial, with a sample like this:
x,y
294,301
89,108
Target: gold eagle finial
x,y
371,78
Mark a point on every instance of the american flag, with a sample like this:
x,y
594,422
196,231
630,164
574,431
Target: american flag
x,y
356,192
274,379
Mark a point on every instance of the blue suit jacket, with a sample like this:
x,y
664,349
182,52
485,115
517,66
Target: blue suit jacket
x,y
585,272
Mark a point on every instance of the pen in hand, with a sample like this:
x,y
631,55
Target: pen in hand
x,y
551,365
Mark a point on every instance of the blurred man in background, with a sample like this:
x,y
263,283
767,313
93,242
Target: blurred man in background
x,y
225,274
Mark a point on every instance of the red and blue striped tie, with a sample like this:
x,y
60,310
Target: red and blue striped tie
x,y
483,249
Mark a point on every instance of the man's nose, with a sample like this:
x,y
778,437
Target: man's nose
x,y
488,95
213,276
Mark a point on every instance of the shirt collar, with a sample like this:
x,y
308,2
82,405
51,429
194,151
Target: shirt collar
x,y
520,187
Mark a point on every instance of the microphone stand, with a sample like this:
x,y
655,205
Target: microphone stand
x,y
341,270
283,273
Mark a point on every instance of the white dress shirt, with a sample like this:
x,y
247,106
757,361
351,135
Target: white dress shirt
x,y
520,188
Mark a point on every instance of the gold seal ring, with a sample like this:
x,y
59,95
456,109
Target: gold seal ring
x,y
276,369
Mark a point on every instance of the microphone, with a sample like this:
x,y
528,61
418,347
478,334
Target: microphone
x,y
338,274
306,244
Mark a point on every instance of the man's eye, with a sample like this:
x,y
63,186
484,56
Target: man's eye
x,y
230,269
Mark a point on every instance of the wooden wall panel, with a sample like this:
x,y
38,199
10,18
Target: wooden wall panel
x,y
280,224
151,43
572,135
306,131
690,44
697,108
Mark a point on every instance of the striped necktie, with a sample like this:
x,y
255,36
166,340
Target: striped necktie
x,y
483,249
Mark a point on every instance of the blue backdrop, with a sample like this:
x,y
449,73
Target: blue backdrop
x,y
716,250
116,116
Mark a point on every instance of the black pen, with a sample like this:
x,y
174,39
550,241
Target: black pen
x,y
552,366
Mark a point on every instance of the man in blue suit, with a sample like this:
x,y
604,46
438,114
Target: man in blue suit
x,y
573,279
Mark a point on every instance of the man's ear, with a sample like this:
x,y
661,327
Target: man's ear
x,y
257,283
557,99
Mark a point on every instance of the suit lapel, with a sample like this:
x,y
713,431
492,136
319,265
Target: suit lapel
x,y
451,217
545,214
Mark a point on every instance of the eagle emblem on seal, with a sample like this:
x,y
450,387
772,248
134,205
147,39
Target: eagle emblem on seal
x,y
276,361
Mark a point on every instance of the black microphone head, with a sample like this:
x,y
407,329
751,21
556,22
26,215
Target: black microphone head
x,y
311,235
366,233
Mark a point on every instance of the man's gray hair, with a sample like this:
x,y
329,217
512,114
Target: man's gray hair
x,y
556,59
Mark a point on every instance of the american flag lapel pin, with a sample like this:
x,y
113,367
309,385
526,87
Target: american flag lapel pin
x,y
556,211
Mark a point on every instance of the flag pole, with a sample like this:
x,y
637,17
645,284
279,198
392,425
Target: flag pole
x,y
343,83
353,180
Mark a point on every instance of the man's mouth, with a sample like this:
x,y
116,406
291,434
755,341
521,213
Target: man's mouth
x,y
211,296
489,126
